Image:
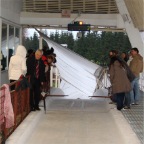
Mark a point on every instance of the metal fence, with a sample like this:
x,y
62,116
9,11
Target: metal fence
x,y
20,104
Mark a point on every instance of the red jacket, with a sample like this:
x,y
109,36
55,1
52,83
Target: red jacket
x,y
44,59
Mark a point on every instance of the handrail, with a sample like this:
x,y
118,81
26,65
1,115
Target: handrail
x,y
20,103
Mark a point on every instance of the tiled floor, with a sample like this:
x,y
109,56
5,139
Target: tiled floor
x,y
135,117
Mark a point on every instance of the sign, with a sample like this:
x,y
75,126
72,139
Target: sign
x,y
77,27
66,13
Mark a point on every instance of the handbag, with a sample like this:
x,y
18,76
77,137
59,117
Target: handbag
x,y
23,83
129,73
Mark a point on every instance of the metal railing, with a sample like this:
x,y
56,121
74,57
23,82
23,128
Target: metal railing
x,y
20,103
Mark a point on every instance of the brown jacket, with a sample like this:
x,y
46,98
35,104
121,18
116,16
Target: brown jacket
x,y
118,78
136,65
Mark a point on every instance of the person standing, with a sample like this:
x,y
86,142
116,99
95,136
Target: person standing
x,y
136,66
17,65
36,71
129,73
124,56
119,81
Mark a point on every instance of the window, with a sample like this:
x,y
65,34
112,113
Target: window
x,y
10,40
17,37
11,43
4,46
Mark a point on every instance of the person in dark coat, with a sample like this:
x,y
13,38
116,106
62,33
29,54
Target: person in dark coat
x,y
36,71
114,56
119,80
30,52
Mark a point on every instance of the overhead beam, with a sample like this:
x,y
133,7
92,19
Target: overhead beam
x,y
93,28
28,18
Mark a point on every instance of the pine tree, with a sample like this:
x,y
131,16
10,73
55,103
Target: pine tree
x,y
35,41
93,45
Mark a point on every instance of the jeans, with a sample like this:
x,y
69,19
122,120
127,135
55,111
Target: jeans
x,y
127,99
135,92
120,100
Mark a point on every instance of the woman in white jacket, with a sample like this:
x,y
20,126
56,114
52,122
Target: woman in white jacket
x,y
17,65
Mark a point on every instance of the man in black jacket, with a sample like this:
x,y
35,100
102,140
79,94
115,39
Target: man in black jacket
x,y
36,71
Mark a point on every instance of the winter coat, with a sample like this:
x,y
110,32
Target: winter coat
x,y
31,69
118,78
136,65
17,65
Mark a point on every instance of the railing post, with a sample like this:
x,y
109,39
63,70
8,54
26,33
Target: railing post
x,y
58,81
22,103
15,107
56,77
28,99
51,77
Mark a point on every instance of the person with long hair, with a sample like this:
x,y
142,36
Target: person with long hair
x,y
124,56
119,81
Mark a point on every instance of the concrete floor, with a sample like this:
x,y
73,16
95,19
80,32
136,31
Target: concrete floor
x,y
67,121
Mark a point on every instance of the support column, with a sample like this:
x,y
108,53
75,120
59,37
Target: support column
x,y
132,32
21,36
40,41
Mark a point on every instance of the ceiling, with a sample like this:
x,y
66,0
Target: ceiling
x,y
135,8
84,6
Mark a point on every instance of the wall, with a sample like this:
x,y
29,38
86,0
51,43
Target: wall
x,y
10,10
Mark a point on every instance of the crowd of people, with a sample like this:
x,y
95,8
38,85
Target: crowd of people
x,y
124,73
34,64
